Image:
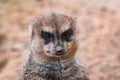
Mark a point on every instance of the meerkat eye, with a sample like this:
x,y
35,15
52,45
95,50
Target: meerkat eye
x,y
67,34
47,36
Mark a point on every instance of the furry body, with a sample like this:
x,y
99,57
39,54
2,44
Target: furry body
x,y
53,49
56,69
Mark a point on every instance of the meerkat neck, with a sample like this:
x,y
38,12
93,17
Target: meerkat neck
x,y
56,68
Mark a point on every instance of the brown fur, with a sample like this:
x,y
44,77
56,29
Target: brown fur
x,y
49,66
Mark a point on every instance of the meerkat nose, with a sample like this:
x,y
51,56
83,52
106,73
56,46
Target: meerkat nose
x,y
59,50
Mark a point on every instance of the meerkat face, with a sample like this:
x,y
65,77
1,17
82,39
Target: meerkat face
x,y
54,36
55,43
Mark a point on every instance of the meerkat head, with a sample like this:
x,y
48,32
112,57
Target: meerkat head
x,y
53,36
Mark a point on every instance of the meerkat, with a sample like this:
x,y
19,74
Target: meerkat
x,y
53,49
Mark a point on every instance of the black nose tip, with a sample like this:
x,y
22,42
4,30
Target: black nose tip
x,y
60,52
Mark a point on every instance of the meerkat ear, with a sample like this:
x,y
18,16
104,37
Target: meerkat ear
x,y
31,31
76,28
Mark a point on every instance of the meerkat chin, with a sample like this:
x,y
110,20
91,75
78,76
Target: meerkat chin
x,y
53,47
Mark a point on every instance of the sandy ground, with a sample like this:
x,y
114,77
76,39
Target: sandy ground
x,y
99,34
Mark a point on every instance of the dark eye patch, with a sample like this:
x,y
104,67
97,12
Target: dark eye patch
x,y
47,36
67,34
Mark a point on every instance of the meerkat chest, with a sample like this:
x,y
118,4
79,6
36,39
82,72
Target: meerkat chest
x,y
54,70
50,72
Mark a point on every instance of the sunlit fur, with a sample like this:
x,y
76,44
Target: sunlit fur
x,y
55,24
43,63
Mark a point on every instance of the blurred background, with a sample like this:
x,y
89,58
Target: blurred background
x,y
99,34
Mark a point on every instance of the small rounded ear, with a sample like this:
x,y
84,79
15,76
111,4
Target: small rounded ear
x,y
77,29
31,31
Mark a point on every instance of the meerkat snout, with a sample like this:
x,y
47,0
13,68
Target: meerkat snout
x,y
59,50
